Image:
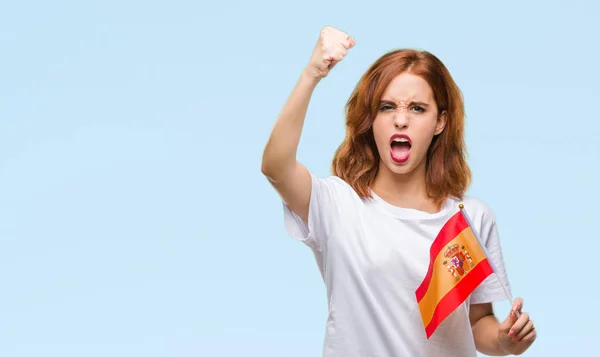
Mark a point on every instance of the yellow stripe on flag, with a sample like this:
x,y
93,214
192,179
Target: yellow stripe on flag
x,y
442,280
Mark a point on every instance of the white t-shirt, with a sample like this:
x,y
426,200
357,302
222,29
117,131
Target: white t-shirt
x,y
373,256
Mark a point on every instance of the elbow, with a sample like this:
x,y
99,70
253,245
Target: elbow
x,y
265,164
274,168
264,168
268,166
271,172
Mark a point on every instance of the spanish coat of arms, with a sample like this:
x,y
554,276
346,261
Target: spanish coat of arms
x,y
458,261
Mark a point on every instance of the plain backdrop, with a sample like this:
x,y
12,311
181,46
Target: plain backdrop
x,y
135,221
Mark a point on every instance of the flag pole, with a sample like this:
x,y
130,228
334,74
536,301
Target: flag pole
x,y
464,212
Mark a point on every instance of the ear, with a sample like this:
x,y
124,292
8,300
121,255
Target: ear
x,y
441,123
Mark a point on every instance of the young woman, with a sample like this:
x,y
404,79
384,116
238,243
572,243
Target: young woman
x,y
399,175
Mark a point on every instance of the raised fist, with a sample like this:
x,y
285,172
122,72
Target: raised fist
x,y
331,48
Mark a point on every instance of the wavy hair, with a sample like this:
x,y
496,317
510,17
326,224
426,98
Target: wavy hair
x,y
356,160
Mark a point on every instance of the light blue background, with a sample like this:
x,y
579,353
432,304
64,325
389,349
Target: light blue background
x,y
134,220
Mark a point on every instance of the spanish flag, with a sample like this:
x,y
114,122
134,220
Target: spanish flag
x,y
457,266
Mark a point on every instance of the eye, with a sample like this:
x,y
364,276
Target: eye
x,y
419,109
385,107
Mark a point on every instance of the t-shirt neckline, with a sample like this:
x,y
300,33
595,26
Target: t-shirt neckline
x,y
411,213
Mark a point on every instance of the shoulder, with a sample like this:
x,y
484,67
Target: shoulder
x,y
483,218
335,184
333,180
477,209
333,191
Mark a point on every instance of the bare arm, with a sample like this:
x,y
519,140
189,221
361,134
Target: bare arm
x,y
485,330
290,178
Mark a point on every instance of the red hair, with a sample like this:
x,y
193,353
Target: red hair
x,y
356,160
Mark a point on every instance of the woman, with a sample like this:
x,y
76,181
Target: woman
x,y
399,175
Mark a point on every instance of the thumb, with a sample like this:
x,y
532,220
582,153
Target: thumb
x,y
509,321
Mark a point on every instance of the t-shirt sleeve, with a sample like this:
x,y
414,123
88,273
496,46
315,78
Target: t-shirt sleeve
x,y
491,289
321,213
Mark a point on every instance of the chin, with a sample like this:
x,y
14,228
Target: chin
x,y
400,169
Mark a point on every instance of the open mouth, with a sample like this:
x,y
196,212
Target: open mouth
x,y
400,148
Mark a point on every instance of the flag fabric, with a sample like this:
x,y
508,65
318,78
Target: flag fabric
x,y
458,265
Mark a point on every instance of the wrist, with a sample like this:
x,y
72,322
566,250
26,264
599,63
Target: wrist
x,y
310,76
503,351
502,348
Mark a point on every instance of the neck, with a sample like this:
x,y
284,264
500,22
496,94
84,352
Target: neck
x,y
404,190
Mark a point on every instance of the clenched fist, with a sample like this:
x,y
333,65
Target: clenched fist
x,y
331,48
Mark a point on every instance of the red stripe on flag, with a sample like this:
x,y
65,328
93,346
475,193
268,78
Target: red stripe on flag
x,y
449,231
458,294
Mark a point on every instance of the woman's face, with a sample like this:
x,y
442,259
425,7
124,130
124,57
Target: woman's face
x,y
406,122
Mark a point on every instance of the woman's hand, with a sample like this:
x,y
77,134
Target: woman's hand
x,y
517,332
332,47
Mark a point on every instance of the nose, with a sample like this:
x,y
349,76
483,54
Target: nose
x,y
401,120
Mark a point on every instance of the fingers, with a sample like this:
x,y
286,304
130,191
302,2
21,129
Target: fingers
x,y
530,337
332,35
331,48
508,323
518,304
339,53
348,42
526,330
519,325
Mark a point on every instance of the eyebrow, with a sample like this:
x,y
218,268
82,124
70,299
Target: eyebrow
x,y
384,101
